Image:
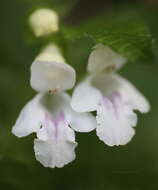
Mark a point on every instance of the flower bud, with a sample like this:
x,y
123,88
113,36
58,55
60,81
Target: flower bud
x,y
44,22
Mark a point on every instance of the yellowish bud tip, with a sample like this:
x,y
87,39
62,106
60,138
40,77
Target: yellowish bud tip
x,y
44,22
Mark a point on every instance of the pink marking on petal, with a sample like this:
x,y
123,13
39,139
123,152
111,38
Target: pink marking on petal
x,y
113,102
116,96
54,123
59,119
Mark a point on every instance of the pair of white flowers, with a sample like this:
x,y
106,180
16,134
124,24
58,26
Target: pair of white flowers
x,y
54,116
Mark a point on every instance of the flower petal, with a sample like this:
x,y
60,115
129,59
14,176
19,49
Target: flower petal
x,y
115,121
133,96
82,122
49,72
60,102
110,83
103,58
85,97
58,148
30,118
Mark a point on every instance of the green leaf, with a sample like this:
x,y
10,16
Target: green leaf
x,y
129,37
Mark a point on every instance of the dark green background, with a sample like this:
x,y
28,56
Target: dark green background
x,y
97,166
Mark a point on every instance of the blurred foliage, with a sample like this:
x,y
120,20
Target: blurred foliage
x,y
127,36
63,7
97,167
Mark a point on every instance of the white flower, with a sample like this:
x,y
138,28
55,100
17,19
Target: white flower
x,y
49,114
112,97
52,119
49,71
43,22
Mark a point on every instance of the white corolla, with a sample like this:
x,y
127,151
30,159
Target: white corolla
x,y
49,114
50,72
112,97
